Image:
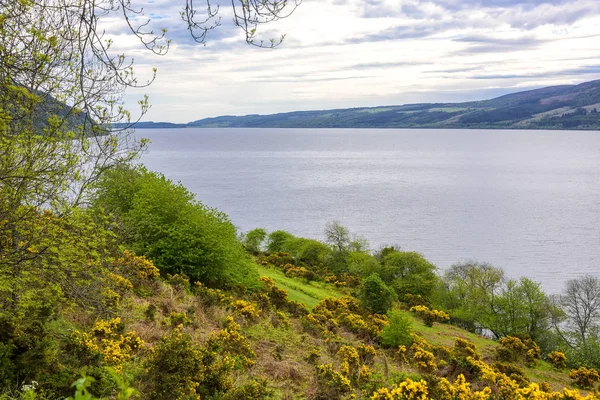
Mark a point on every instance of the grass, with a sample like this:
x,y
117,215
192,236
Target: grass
x,y
446,334
308,293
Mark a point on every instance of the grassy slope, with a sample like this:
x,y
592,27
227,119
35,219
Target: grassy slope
x,y
307,293
440,334
282,352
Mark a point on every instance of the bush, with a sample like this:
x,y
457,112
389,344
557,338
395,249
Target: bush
x,y
254,239
175,367
398,332
375,295
584,377
331,384
162,221
557,359
430,316
256,389
407,390
408,272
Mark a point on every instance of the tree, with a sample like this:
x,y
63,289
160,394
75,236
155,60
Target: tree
x,y
408,273
375,295
337,236
163,221
276,241
581,304
470,292
521,308
398,331
254,239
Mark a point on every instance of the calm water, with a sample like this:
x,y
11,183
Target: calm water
x,y
526,201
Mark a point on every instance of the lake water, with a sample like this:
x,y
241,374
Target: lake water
x,y
526,201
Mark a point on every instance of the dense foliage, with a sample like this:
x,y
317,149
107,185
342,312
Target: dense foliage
x,y
162,221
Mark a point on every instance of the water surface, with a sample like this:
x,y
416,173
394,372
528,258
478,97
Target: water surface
x,y
526,201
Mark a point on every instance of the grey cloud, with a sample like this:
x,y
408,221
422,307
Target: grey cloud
x,y
588,69
374,65
488,44
304,78
453,70
405,32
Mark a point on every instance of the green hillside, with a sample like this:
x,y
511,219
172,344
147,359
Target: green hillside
x,y
556,107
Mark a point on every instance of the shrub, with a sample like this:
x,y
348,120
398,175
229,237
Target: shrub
x,y
162,221
211,297
278,296
175,367
514,349
350,363
398,331
513,372
584,377
331,384
256,389
375,295
254,239
463,349
407,390
423,358
367,354
430,316
245,309
558,359
232,343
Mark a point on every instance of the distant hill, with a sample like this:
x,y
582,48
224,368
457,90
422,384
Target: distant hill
x,y
555,107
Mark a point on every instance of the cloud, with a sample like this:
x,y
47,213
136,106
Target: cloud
x,y
353,53
583,70
479,44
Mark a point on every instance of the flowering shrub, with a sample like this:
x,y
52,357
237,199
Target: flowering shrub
x,y
298,272
211,297
557,359
276,259
175,367
513,372
331,384
412,300
367,353
423,359
138,269
463,349
430,316
407,390
297,309
230,342
179,281
180,318
461,389
256,389
245,309
514,349
584,377
107,343
350,363
278,296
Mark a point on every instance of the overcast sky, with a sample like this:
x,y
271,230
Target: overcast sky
x,y
354,53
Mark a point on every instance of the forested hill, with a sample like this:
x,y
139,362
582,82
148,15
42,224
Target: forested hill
x,y
556,107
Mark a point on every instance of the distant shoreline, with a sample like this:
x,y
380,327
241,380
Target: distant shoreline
x,y
566,107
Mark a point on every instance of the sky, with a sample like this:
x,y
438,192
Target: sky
x,y
362,53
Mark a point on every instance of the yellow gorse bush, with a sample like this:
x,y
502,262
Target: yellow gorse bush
x,y
407,390
105,340
430,316
558,359
245,309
